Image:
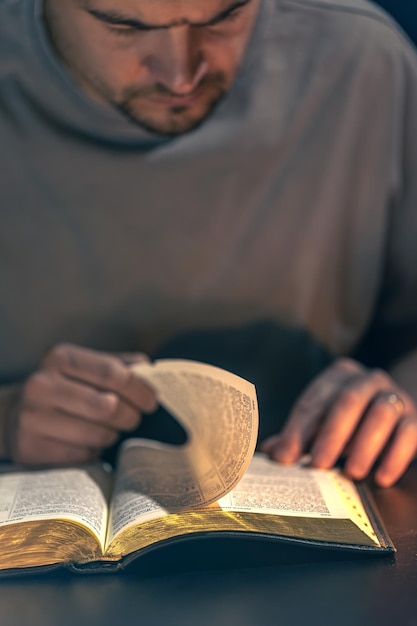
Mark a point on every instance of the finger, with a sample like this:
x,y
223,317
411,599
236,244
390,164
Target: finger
x,y
268,444
378,424
309,412
101,370
139,393
52,392
344,416
400,452
37,451
67,429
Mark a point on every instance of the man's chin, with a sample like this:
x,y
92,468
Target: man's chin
x,y
175,121
174,124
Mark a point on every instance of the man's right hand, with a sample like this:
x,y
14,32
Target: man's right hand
x,y
75,405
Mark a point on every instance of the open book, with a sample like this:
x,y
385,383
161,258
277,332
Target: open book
x,y
94,518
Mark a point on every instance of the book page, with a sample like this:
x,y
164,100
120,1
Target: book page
x,y
354,505
69,494
297,491
219,413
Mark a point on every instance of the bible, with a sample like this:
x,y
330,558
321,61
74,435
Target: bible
x,y
95,518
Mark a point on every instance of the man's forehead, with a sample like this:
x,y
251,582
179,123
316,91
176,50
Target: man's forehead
x,y
161,11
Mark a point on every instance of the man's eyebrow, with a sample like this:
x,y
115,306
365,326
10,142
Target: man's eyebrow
x,y
218,18
118,19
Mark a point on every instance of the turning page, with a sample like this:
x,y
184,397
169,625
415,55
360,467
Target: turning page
x,y
219,413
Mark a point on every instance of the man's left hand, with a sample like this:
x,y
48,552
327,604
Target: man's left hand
x,y
352,412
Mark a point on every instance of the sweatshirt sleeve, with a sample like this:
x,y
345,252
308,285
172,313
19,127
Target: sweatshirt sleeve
x,y
392,339
9,398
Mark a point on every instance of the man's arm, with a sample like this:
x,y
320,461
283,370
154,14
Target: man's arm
x,y
368,414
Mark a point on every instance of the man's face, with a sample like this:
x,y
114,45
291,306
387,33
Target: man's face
x,y
164,63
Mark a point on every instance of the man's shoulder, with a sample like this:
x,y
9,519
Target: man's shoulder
x,y
356,25
360,8
348,13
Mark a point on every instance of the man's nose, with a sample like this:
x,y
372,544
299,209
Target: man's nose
x,y
176,62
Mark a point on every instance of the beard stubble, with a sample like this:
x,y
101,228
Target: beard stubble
x,y
178,118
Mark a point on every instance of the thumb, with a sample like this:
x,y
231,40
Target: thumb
x,y
285,447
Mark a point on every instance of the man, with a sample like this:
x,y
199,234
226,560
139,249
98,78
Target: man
x,y
227,180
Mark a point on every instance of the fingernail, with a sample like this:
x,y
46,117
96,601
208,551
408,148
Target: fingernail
x,y
110,400
383,480
355,470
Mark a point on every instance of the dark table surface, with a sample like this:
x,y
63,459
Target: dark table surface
x,y
240,584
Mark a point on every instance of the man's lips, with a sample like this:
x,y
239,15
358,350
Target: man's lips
x,y
175,101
